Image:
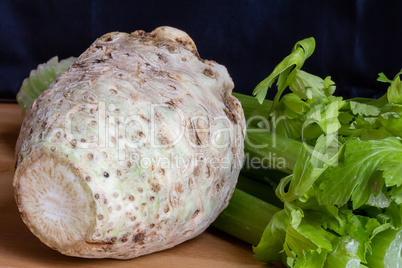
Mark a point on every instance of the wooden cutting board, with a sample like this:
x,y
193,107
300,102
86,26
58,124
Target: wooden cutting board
x,y
20,248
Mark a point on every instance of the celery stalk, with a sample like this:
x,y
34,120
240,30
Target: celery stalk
x,y
246,217
253,110
265,150
258,189
269,176
268,150
386,249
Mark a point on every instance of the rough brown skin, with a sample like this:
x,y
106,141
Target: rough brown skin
x,y
80,183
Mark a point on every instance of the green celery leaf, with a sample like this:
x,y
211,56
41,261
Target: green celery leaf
x,y
325,114
358,176
392,170
363,109
294,105
328,213
360,228
392,122
299,234
315,259
309,166
380,200
285,71
329,122
309,86
344,255
271,244
298,243
345,117
294,234
394,215
383,78
284,126
365,122
305,235
386,249
306,226
329,86
394,93
375,134
396,195
386,241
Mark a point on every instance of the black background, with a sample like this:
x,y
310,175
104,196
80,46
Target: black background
x,y
355,39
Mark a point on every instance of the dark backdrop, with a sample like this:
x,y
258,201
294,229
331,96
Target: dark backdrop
x,y
355,39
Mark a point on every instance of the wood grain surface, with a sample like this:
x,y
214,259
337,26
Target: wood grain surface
x,y
20,248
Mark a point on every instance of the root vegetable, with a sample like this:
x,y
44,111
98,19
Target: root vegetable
x,y
134,149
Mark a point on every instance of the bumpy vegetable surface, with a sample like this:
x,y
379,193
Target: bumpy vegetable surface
x,y
135,149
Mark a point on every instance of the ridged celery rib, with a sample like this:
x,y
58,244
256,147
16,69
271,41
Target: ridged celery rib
x,y
275,151
258,189
267,155
246,217
266,152
253,110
